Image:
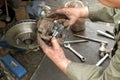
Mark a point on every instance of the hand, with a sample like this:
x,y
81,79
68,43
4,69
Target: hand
x,y
55,53
73,14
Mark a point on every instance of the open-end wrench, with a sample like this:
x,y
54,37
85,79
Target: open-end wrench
x,y
75,52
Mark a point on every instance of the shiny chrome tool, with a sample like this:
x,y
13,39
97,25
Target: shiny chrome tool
x,y
22,34
75,41
103,44
75,52
107,54
91,39
105,34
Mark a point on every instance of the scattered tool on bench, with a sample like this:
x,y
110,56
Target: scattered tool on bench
x,y
75,41
105,34
109,32
75,52
107,54
91,39
103,44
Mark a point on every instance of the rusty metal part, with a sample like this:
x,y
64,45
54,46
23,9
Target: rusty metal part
x,y
22,34
47,27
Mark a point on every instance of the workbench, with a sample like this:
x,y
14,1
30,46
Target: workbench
x,y
47,70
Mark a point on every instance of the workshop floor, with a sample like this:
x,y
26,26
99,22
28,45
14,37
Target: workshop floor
x,y
47,70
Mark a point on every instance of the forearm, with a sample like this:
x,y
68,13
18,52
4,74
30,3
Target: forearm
x,y
84,13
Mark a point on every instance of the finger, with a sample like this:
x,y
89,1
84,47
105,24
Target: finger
x,y
51,15
55,43
41,43
61,10
57,16
70,22
59,13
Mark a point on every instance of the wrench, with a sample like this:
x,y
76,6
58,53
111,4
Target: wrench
x,y
75,52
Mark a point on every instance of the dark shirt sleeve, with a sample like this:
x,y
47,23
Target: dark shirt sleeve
x,y
80,71
99,12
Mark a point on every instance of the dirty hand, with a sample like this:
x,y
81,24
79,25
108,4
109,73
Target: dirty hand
x,y
54,52
73,14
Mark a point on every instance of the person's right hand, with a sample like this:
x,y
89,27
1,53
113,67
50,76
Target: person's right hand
x,y
54,52
73,14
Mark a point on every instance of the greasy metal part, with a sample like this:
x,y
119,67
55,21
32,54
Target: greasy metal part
x,y
45,27
22,34
58,30
102,49
49,28
75,52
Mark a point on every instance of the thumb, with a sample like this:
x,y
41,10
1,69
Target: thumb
x,y
41,43
55,43
70,22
